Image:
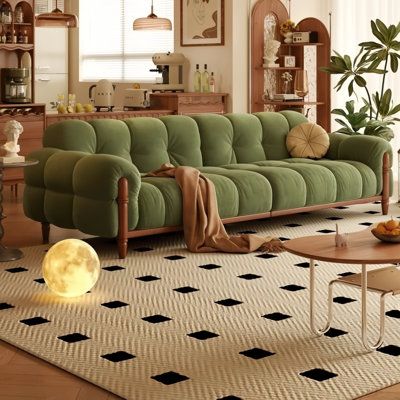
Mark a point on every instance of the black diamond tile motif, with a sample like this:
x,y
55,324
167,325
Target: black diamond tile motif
x,y
170,378
372,212
276,316
229,398
266,256
325,231
210,266
112,268
283,239
318,374
143,249
390,350
5,306
114,304
305,213
292,288
256,353
249,277
147,278
293,225
376,202
203,335
118,356
39,280
34,321
247,232
341,208
16,270
156,319
334,218
303,265
342,300
333,332
73,337
346,273
365,223
186,289
390,313
174,257
228,302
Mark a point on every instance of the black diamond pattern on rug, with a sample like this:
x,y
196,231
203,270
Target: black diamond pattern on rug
x,y
283,239
293,225
73,337
39,280
186,289
266,256
210,266
334,218
143,249
333,332
249,277
365,223
346,273
228,302
34,321
276,316
256,353
390,350
303,265
318,374
390,313
114,304
112,268
175,257
229,398
5,306
343,300
203,335
170,378
148,278
247,232
325,231
156,319
341,208
16,270
118,356
292,288
372,212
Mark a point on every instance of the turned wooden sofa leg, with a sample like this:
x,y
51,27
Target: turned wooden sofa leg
x,y
45,232
123,217
385,184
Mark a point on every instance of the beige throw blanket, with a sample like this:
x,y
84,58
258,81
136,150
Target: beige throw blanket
x,y
202,225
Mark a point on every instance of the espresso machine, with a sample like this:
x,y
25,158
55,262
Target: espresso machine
x,y
171,68
14,85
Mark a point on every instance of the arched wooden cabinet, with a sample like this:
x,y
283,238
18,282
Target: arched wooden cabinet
x,y
269,14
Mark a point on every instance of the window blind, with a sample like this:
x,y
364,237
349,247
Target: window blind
x,y
110,49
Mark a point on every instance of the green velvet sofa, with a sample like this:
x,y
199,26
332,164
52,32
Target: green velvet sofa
x,y
91,175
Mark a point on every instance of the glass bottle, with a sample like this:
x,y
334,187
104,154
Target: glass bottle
x,y
3,35
212,83
14,37
25,37
197,79
8,37
205,80
20,37
19,15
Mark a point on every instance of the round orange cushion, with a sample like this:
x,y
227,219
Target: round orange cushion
x,y
307,140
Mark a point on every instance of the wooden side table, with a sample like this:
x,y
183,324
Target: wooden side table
x,y
7,254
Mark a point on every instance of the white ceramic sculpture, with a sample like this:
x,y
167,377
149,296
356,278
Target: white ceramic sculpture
x,y
12,130
271,48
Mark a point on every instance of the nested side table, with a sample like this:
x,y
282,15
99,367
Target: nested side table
x,y
9,254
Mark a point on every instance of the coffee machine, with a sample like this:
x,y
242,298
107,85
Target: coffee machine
x,y
171,68
14,85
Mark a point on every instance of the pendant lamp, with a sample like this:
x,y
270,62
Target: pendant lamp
x,y
57,18
152,22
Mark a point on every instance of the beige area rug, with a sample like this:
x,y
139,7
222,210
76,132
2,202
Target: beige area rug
x,y
167,324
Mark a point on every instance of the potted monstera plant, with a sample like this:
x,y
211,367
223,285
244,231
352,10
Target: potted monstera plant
x,y
380,57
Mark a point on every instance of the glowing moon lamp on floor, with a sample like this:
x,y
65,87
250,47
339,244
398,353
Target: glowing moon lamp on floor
x,y
71,268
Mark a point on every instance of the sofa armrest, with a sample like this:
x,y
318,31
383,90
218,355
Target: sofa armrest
x,y
368,150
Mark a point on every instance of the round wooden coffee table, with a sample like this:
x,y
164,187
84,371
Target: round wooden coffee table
x,y
362,248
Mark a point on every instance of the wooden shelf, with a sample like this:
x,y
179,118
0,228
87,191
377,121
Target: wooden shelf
x,y
22,23
301,44
16,46
280,68
292,103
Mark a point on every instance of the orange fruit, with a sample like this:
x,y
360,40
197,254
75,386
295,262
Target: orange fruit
x,y
381,228
391,224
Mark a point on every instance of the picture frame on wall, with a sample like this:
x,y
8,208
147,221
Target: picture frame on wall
x,y
202,22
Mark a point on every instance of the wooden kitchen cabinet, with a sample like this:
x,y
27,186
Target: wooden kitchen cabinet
x,y
189,103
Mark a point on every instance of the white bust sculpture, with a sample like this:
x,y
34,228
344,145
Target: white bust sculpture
x,y
12,130
270,50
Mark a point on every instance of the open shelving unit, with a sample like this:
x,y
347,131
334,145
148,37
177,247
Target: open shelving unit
x,y
265,9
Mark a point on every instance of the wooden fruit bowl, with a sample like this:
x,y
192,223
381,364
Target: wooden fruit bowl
x,y
386,238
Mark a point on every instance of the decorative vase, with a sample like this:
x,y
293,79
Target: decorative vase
x,y
285,88
288,37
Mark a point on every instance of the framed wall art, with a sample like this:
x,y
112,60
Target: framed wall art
x,y
202,22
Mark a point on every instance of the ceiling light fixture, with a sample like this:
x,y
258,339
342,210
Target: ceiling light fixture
x,y
57,18
152,22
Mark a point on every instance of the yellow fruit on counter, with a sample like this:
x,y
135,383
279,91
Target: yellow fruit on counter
x,y
61,109
395,232
88,107
381,228
78,107
391,224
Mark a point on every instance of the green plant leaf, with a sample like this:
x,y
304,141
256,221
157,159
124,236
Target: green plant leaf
x,y
351,88
376,33
347,60
350,106
385,102
394,110
394,62
339,111
360,81
383,30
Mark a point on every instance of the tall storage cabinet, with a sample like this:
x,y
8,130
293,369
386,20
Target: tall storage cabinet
x,y
274,10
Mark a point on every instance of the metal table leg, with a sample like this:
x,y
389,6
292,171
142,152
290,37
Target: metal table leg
x,y
313,328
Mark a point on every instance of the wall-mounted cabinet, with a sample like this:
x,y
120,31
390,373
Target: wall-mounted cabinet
x,y
267,81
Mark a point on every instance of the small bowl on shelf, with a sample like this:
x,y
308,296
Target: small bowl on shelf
x,y
385,237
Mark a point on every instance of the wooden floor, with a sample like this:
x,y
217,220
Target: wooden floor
x,y
24,377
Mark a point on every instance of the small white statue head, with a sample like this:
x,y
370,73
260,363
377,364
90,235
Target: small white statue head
x,y
12,130
270,49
